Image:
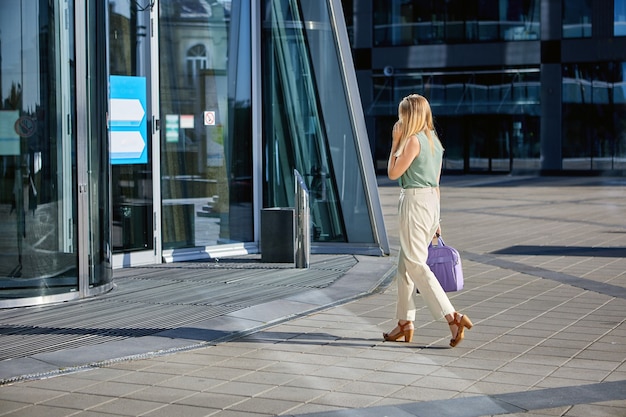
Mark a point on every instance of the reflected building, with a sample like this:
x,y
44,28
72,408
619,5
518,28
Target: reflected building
x,y
516,86
136,133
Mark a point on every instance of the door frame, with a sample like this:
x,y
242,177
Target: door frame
x,y
153,256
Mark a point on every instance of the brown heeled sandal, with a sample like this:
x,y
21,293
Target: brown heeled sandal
x,y
462,322
404,330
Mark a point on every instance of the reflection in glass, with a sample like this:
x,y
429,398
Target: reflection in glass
x,y
403,22
619,18
505,103
296,137
206,150
594,107
131,183
576,18
37,201
312,132
97,162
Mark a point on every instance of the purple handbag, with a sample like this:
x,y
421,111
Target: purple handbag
x,y
445,263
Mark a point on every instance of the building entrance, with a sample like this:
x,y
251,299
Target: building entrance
x,y
54,243
131,84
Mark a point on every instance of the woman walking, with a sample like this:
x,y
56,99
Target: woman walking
x,y
415,160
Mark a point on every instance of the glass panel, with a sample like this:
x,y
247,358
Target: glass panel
x,y
384,127
312,133
97,162
295,137
519,19
576,107
577,18
131,178
498,97
37,185
452,132
619,18
348,12
593,123
488,24
481,145
342,144
206,145
488,91
525,144
386,24
619,117
404,22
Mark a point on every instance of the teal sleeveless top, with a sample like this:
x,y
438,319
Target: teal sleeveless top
x,y
424,170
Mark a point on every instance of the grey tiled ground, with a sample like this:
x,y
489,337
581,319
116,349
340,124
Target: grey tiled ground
x,y
545,269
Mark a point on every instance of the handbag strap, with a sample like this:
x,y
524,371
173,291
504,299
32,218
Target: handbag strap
x,y
437,241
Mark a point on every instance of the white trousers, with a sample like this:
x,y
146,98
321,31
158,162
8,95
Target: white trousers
x,y
418,212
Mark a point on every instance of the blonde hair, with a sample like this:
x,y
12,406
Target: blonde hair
x,y
415,116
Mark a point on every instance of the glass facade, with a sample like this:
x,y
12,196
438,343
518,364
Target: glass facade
x,y
594,114
313,133
41,191
135,133
404,22
577,18
515,86
206,139
488,120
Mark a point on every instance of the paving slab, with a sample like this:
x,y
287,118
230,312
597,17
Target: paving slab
x,y
544,260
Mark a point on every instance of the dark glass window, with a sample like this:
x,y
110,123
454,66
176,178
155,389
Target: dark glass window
x,y
619,18
488,120
577,18
403,22
594,110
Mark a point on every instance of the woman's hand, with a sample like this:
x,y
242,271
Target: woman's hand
x,y
395,136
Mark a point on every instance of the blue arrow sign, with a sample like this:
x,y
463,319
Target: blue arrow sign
x,y
127,120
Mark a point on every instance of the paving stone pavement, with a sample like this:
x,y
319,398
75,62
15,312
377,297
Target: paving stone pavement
x,y
544,260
